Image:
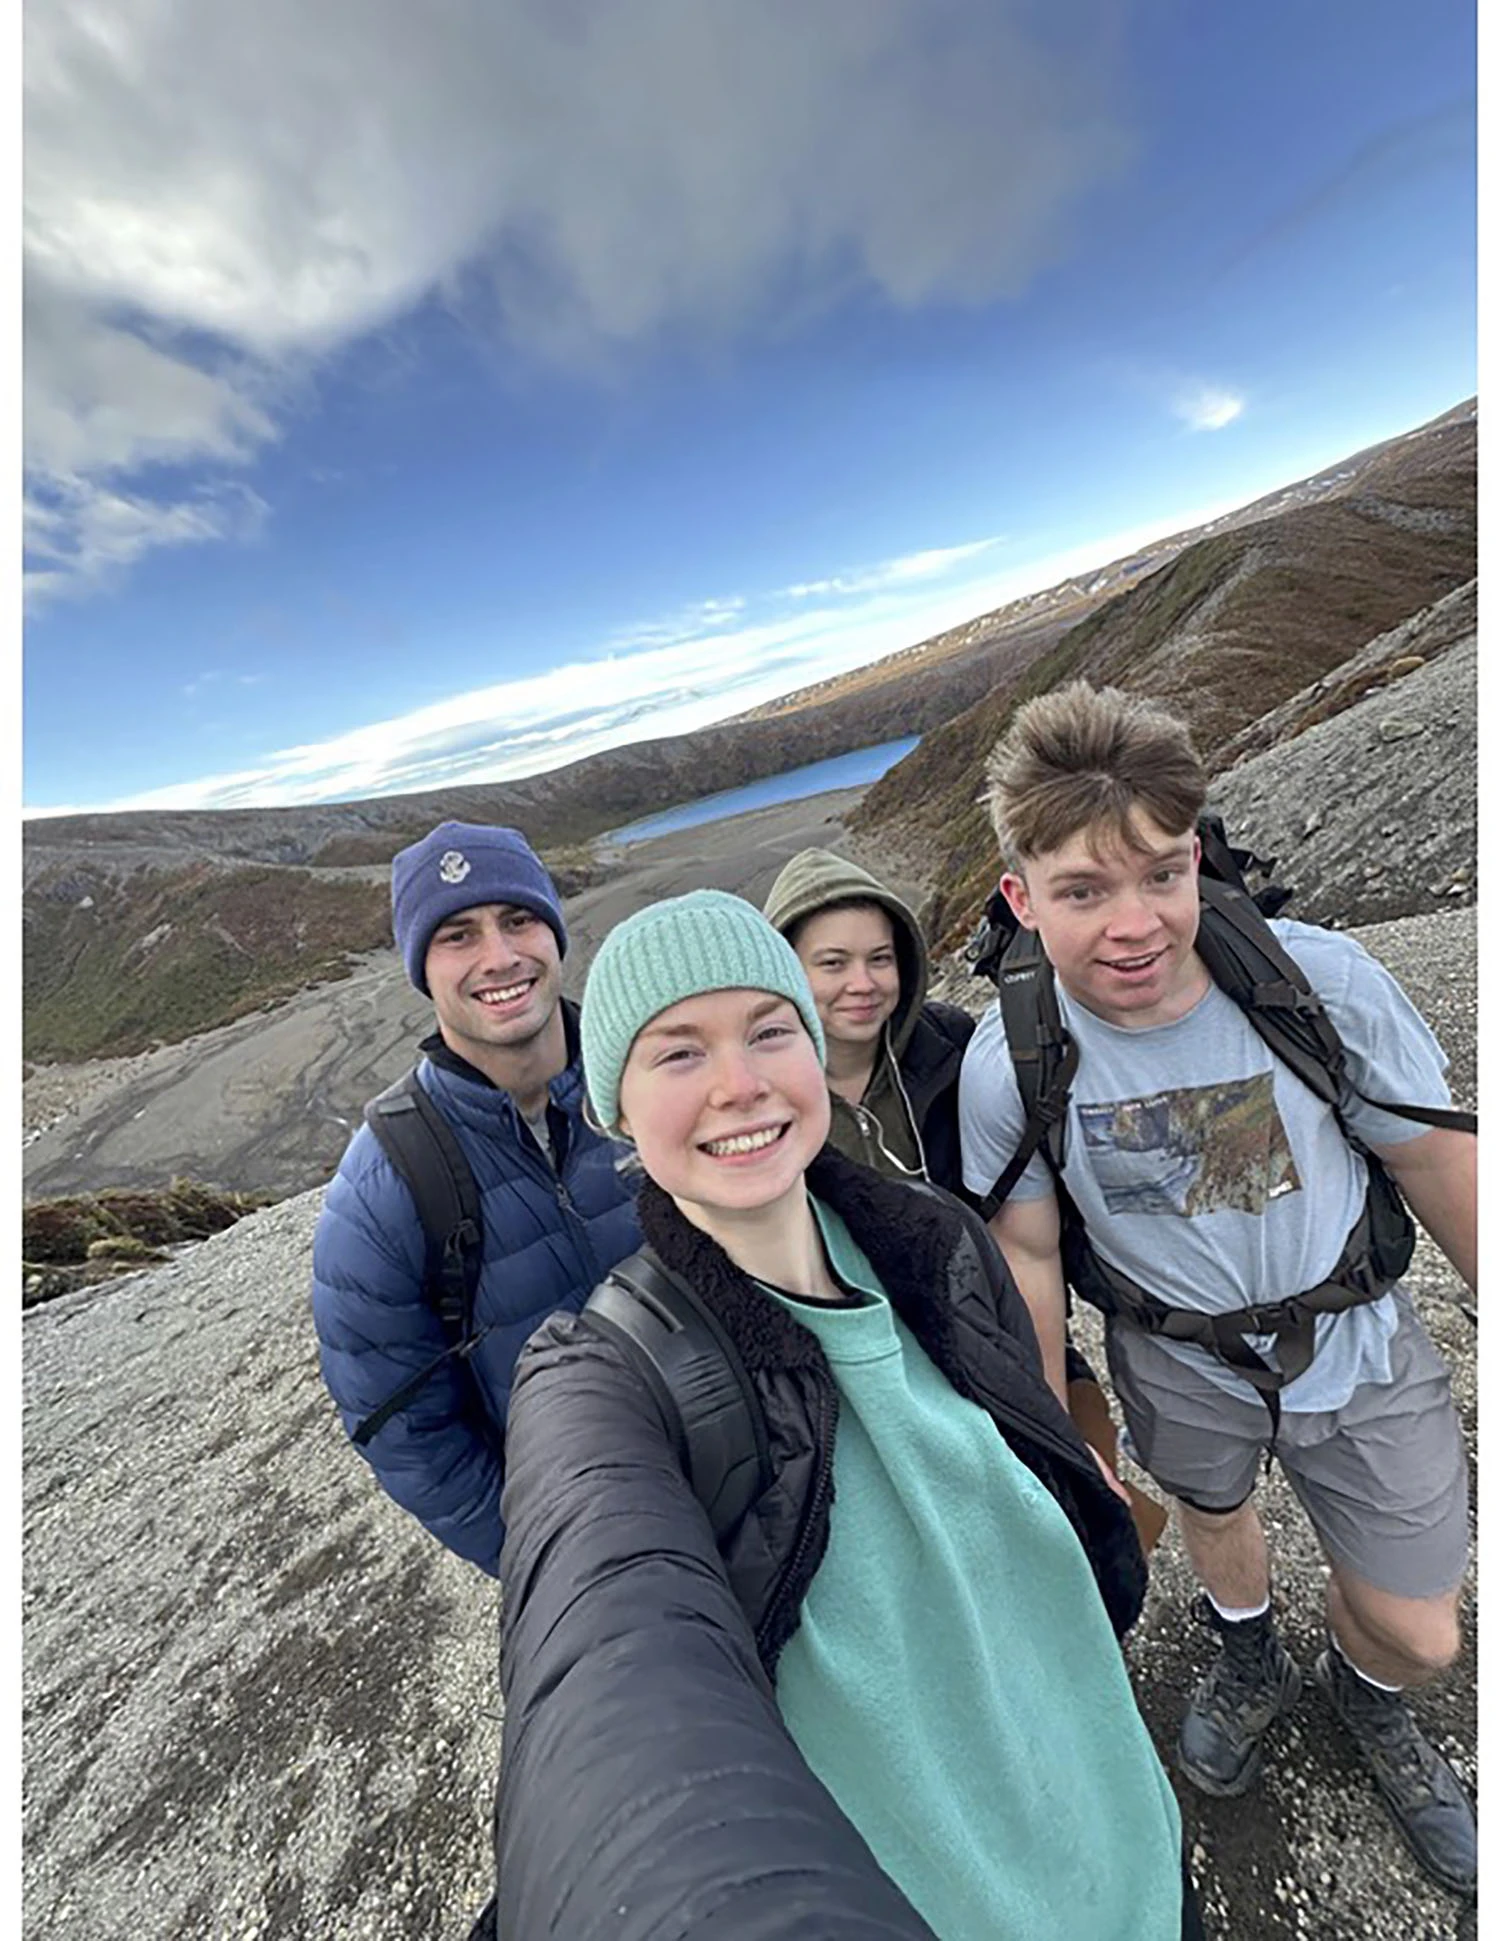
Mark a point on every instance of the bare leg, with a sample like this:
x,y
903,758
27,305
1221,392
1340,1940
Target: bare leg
x,y
1253,1680
1229,1555
1401,1641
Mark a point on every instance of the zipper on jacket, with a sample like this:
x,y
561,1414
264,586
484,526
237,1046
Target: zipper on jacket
x,y
578,1226
815,1502
551,1173
869,1125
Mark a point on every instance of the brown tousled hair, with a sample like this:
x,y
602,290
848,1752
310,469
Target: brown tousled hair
x,y
1085,758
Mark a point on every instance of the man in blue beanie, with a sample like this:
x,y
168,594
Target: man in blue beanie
x,y
480,929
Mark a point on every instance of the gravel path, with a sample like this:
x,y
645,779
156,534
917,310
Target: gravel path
x,y
260,1701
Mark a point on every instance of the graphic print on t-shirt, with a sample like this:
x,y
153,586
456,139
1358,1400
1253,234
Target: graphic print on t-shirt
x,y
1201,1149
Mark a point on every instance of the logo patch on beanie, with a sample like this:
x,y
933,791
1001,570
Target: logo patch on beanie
x,y
453,866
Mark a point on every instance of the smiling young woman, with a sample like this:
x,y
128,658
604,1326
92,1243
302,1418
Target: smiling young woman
x,y
894,1054
890,1700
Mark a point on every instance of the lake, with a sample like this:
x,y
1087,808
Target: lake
x,y
852,771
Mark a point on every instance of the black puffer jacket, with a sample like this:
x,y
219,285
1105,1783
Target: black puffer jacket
x,y
649,1787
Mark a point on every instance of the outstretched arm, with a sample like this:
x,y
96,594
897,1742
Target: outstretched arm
x,y
649,1787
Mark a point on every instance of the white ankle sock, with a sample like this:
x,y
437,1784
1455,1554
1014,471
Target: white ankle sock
x,y
1393,1690
1239,1617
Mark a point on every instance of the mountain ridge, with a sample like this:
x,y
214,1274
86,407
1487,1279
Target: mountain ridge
x,y
235,910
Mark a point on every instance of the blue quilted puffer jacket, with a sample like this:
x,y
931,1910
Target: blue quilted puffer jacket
x,y
549,1238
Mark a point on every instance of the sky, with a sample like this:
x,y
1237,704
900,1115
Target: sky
x,y
434,394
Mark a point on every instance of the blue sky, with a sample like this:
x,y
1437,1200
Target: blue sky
x,y
419,395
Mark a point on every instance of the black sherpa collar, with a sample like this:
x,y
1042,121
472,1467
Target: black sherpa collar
x,y
908,1235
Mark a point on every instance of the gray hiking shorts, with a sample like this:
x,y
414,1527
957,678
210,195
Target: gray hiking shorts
x,y
1384,1480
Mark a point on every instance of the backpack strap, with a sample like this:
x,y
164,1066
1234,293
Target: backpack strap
x,y
1044,1055
1248,961
698,1380
1375,1255
422,1146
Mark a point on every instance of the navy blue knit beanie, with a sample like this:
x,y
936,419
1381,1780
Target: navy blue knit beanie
x,y
458,866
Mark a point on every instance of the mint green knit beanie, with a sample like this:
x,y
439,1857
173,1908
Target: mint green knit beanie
x,y
705,941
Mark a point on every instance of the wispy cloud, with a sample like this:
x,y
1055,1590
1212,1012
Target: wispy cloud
x,y
80,533
935,563
1207,407
525,727
207,213
689,623
213,676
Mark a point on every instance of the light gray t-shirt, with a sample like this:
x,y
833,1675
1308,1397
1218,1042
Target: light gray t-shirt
x,y
541,1132
1209,1173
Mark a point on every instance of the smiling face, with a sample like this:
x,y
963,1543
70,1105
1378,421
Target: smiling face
x,y
849,954
495,977
1118,923
725,1099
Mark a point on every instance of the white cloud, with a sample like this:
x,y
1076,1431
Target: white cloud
x,y
688,624
212,196
84,533
1206,407
932,564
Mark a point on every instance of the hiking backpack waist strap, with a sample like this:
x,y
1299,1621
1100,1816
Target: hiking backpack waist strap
x,y
1374,1257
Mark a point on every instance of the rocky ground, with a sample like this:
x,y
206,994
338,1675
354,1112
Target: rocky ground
x,y
1370,812
260,1702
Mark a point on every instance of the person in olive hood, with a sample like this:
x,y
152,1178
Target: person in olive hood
x,y
893,1056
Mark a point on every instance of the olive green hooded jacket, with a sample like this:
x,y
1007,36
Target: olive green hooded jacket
x,y
906,1124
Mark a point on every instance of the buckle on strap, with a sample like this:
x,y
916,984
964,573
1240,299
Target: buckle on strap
x,y
1282,995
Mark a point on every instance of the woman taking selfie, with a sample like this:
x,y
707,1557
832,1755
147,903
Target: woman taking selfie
x,y
890,1701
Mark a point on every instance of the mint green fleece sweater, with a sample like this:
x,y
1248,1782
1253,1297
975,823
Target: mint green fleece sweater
x,y
954,1680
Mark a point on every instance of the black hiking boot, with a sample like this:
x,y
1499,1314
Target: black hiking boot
x,y
1251,1682
1422,1793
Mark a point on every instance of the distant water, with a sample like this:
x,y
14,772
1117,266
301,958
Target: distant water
x,y
843,772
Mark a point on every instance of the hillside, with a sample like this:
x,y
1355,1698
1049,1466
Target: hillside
x,y
268,1101
1235,626
111,967
142,929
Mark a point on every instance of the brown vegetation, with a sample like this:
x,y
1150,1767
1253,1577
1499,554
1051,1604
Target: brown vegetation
x,y
88,1237
1236,624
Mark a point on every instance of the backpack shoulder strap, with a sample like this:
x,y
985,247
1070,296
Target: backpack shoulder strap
x,y
697,1377
1043,1054
1250,964
421,1145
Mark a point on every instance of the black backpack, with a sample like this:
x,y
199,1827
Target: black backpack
x,y
1250,965
679,1347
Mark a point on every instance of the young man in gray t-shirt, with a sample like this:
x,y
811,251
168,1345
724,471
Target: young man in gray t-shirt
x,y
1212,1177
